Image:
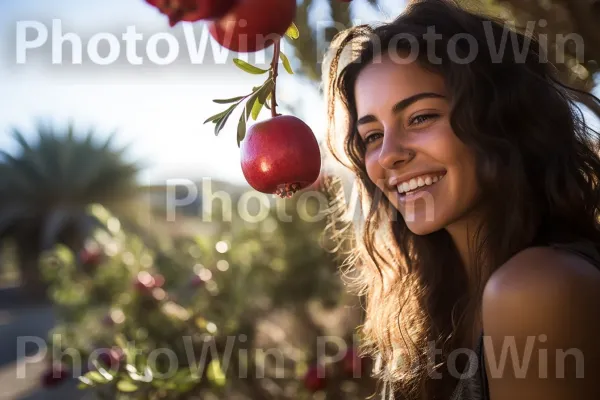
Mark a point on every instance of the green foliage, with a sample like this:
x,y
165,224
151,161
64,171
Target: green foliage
x,y
254,102
257,98
251,69
217,292
286,63
292,32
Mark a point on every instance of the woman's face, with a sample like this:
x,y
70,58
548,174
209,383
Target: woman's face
x,y
412,154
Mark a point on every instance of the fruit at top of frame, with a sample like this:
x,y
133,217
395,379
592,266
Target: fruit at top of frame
x,y
252,25
191,10
280,156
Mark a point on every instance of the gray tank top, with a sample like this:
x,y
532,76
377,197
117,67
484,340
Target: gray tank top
x,y
474,384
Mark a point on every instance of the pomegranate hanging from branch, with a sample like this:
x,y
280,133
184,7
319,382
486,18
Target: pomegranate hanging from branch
x,y
280,155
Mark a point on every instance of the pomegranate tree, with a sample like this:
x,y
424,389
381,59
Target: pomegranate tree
x,y
280,155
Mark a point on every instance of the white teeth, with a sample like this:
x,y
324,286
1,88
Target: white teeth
x,y
418,182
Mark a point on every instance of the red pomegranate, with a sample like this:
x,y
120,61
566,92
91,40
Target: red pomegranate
x,y
319,183
252,25
55,375
280,156
352,363
111,358
314,379
191,10
90,257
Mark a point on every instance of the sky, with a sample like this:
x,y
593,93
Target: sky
x,y
157,109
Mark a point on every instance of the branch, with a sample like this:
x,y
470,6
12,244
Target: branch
x,y
274,68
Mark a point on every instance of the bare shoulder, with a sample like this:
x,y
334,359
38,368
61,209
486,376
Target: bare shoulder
x,y
544,298
542,271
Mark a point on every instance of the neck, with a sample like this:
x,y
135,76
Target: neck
x,y
463,234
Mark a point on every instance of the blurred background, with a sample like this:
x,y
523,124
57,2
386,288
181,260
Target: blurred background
x,y
132,252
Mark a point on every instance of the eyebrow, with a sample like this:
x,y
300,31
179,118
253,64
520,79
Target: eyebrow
x,y
401,105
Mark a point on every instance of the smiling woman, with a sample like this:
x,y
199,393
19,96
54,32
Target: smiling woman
x,y
479,252
418,132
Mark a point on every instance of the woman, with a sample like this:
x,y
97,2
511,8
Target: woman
x,y
478,256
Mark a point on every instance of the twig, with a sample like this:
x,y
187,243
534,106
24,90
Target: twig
x,y
274,67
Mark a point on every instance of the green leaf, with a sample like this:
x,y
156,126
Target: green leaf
x,y
241,130
231,100
286,63
252,99
215,373
131,369
102,371
126,386
96,377
292,32
221,122
85,382
147,377
216,117
260,99
249,67
250,104
256,107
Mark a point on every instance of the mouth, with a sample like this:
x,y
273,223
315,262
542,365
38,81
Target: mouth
x,y
417,187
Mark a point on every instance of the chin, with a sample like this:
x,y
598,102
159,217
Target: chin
x,y
419,219
421,228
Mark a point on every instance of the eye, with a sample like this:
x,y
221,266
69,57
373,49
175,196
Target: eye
x,y
419,119
372,137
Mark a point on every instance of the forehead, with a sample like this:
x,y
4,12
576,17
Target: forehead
x,y
384,82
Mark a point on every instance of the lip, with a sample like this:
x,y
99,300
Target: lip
x,y
395,180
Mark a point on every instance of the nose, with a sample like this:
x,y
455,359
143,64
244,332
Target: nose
x,y
393,152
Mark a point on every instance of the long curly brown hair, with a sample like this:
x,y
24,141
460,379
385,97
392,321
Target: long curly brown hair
x,y
537,165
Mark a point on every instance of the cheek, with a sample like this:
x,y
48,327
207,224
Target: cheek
x,y
374,170
467,184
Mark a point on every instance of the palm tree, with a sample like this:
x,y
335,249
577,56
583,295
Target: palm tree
x,y
46,188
